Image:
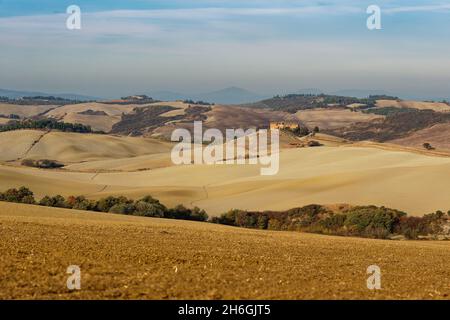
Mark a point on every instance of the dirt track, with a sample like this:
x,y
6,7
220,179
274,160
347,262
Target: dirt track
x,y
144,258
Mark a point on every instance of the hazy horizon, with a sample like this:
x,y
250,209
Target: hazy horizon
x,y
192,47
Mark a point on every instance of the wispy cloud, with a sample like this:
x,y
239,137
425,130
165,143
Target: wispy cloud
x,y
424,8
203,43
205,13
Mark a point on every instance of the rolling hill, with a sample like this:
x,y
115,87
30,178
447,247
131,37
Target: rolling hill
x,y
74,148
124,257
102,165
14,94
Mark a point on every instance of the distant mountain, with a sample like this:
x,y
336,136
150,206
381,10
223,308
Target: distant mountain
x,y
12,94
357,93
15,94
231,95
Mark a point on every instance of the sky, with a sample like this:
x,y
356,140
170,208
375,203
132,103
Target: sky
x,y
195,46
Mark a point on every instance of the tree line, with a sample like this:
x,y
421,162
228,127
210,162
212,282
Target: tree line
x,y
47,124
360,221
145,207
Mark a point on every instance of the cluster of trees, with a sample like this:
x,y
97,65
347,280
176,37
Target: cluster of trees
x,y
47,124
388,111
383,97
301,131
295,102
10,116
21,195
200,102
43,164
362,221
146,207
39,100
136,99
314,143
428,146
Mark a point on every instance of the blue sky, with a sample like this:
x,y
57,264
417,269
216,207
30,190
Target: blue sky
x,y
127,47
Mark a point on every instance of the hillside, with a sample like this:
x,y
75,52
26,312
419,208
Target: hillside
x,y
438,136
24,111
102,116
294,102
421,105
72,147
333,118
324,175
149,258
395,125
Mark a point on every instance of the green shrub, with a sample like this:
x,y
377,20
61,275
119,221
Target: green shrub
x,y
199,214
81,203
149,199
43,164
227,218
122,208
56,201
105,204
274,224
301,131
181,212
262,221
334,222
314,143
372,221
147,209
21,195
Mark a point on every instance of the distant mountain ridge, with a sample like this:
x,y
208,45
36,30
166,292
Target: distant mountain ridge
x,y
357,93
230,95
16,94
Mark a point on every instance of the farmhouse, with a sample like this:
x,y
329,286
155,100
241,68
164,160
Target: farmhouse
x,y
284,125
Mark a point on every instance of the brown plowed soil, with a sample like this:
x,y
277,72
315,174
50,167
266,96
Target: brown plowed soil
x,y
145,258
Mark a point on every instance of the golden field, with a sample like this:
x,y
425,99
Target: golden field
x,y
421,105
124,257
101,165
333,118
128,257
